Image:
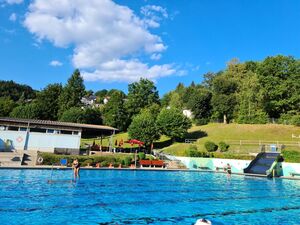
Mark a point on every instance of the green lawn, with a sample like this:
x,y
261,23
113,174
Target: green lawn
x,y
118,137
233,133
230,133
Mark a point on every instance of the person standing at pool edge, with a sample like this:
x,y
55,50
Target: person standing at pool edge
x,y
76,168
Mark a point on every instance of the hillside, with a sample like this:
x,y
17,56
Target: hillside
x,y
233,134
242,138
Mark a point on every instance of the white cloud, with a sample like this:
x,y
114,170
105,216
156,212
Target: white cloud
x,y
101,33
55,63
14,2
13,17
128,71
155,56
153,15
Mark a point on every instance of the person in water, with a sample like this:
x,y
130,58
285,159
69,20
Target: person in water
x,y
228,169
76,168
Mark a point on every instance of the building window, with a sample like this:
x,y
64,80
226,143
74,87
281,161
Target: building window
x,y
50,131
75,132
65,132
23,129
13,128
38,130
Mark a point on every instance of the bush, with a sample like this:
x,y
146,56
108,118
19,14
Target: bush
x,y
223,146
104,164
192,151
291,156
296,120
127,161
202,121
50,159
259,117
88,162
141,155
210,146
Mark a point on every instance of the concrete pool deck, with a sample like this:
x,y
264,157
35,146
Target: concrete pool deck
x,y
144,169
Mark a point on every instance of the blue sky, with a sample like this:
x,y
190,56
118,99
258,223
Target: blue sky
x,y
114,43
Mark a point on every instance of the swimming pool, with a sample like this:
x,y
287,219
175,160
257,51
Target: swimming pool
x,y
145,197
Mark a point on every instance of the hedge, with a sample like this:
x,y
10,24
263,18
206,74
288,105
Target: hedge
x,y
210,146
105,160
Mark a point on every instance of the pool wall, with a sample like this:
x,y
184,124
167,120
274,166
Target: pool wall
x,y
236,165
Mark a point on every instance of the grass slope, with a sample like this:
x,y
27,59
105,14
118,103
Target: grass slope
x,y
118,137
233,133
230,133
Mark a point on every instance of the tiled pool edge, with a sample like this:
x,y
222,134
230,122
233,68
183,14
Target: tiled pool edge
x,y
236,165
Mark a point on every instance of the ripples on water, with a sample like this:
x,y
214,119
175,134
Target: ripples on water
x,y
145,197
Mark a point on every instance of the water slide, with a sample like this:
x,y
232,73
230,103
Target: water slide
x,y
263,164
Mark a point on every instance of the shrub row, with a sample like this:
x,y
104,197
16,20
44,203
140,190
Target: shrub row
x,y
212,147
116,159
205,154
291,156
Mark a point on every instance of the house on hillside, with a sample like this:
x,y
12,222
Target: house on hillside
x,y
188,113
106,99
89,100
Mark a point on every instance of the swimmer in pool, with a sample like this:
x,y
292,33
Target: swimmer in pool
x,y
76,168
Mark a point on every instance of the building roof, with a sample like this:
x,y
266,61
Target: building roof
x,y
58,124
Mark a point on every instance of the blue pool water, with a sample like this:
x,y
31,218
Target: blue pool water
x,y
145,197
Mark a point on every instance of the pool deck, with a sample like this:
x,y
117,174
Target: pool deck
x,y
142,169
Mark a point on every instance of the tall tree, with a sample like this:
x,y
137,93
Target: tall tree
x,y
279,77
72,93
114,111
27,111
79,115
172,123
200,104
6,106
140,95
101,95
143,128
49,96
176,101
224,98
249,98
15,91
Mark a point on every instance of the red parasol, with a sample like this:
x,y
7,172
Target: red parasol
x,y
134,141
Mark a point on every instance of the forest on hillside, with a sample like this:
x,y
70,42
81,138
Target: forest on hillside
x,y
249,92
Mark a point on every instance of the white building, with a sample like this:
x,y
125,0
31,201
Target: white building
x,y
188,113
46,136
89,100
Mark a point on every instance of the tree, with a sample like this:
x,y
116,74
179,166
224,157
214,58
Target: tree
x,y
153,109
143,128
165,100
14,91
49,96
172,123
79,115
224,99
140,95
101,95
200,104
6,106
28,111
249,97
72,93
114,112
279,77
176,101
